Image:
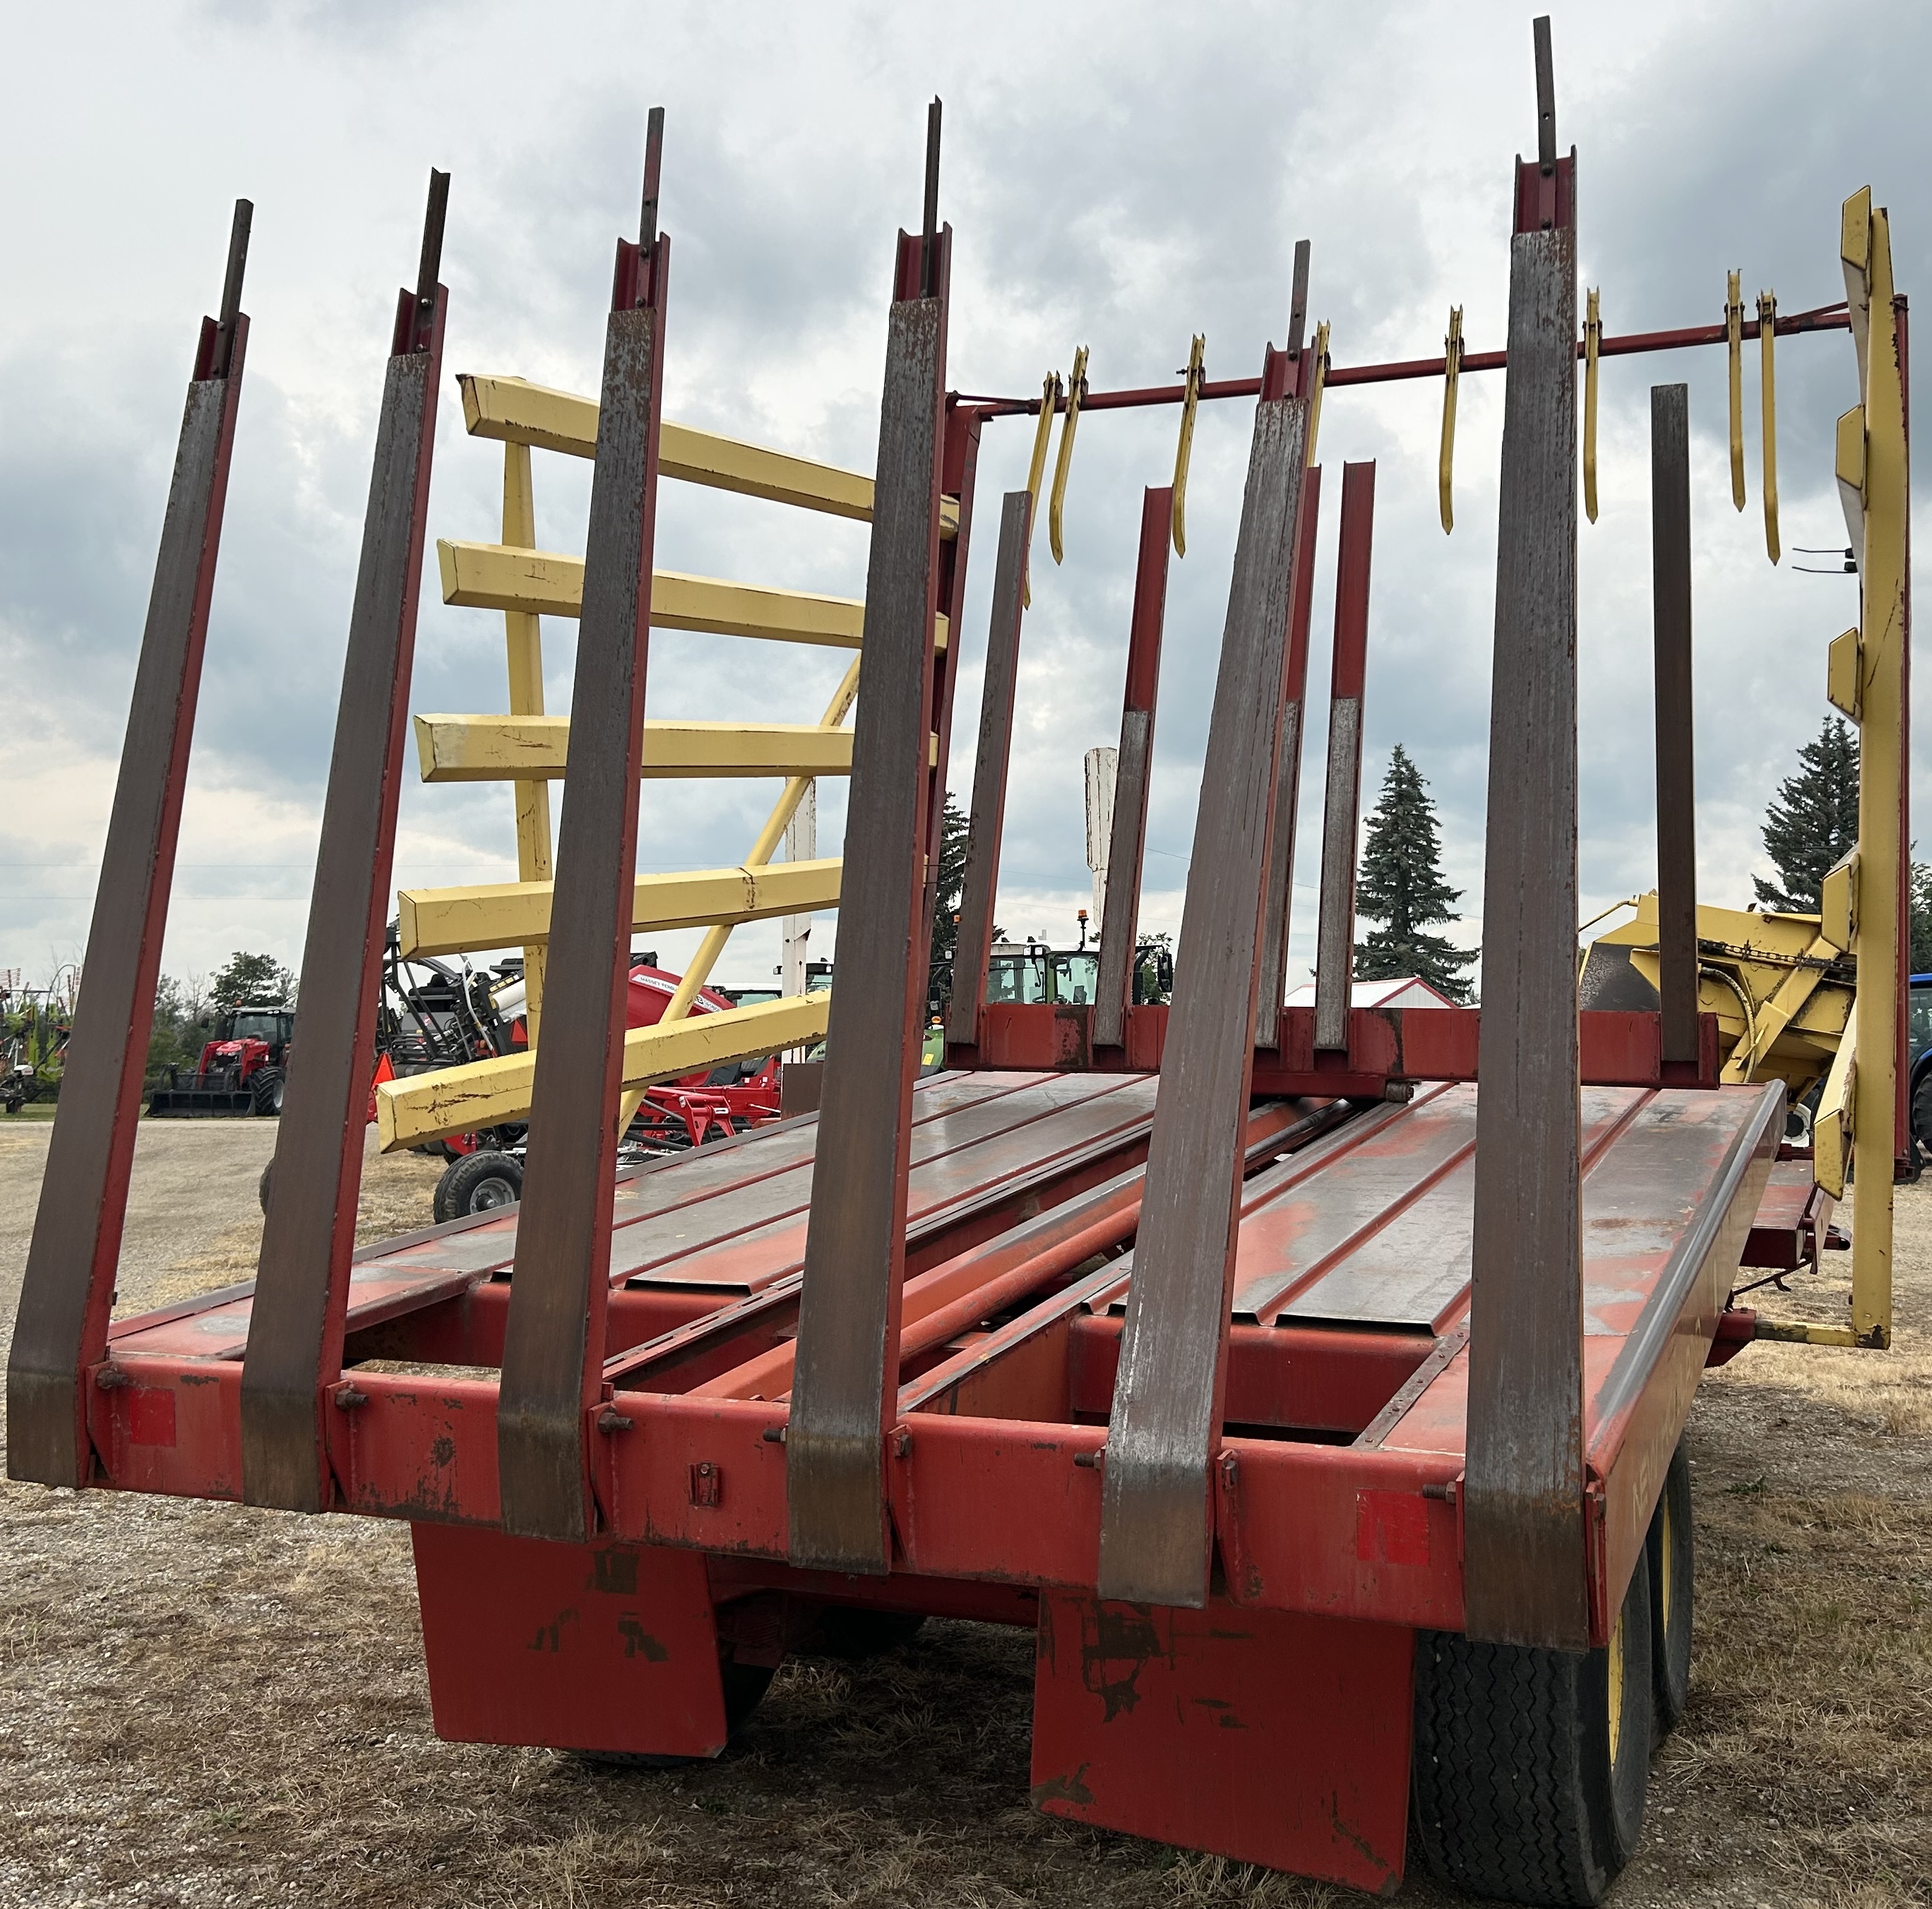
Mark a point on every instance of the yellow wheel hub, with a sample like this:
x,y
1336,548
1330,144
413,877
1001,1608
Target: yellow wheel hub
x,y
1615,1656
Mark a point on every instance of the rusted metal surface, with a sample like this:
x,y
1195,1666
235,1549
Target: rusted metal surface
x,y
67,1292
553,1353
1526,1582
1278,900
848,1317
1676,777
296,1325
1341,815
1127,844
1155,1528
981,877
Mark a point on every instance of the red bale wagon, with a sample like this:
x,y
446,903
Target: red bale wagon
x,y
1309,1380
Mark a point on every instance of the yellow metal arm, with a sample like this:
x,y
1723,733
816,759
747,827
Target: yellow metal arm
x,y
535,749
546,583
455,920
519,412
1042,436
1184,450
486,1093
1076,391
1452,373
1593,340
1734,341
1767,350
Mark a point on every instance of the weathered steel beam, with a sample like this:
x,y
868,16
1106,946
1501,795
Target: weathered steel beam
x,y
1278,903
1526,1569
302,1283
553,1345
455,920
536,748
1114,986
1156,1507
67,1293
973,946
1676,775
844,1398
1335,927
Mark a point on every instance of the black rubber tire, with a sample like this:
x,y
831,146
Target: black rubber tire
x,y
262,1185
265,1084
744,1687
1670,1557
1517,1793
855,1631
480,1182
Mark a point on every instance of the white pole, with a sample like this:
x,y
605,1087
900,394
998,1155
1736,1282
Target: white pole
x,y
1102,767
801,845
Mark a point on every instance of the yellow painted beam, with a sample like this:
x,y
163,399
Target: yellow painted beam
x,y
534,748
502,914
547,583
486,1093
519,412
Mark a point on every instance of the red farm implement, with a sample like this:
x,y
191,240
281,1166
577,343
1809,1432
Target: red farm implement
x,y
1310,1381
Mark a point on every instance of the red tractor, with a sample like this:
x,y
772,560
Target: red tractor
x,y
241,1070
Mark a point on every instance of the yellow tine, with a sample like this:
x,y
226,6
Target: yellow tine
x,y
1734,332
1184,450
1593,339
1767,347
1049,403
1076,390
1452,372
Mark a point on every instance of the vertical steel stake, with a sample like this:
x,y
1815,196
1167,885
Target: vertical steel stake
x,y
1155,1518
845,1392
553,1345
1278,903
1335,929
1525,1578
974,945
1114,987
68,1293
1676,777
302,1284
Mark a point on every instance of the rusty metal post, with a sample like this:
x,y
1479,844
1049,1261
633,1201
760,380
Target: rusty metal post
x,y
68,1293
1525,1580
973,946
1278,903
553,1345
1676,777
1156,1525
1114,988
302,1284
845,1392
1335,929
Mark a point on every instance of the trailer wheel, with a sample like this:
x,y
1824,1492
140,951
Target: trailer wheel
x,y
266,1086
1670,1555
479,1182
1530,1766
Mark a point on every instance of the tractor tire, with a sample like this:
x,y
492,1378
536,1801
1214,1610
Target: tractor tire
x,y
266,1085
1670,1557
1921,1113
479,1182
1530,1766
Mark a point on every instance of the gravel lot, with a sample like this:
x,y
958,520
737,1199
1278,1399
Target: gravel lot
x,y
204,1704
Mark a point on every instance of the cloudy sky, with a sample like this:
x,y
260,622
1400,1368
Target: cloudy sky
x,y
1118,176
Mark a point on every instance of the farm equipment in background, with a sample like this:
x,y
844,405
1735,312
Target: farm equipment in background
x,y
33,1043
242,1069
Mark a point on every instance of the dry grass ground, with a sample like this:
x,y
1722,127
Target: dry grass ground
x,y
201,1704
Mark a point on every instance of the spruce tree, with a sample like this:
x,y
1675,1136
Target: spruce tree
x,y
1401,886
953,831
1812,821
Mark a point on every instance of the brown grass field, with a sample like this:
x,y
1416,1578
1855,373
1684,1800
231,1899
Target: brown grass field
x,y
202,1704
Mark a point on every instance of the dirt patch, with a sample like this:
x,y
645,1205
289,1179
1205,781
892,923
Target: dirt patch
x,y
202,1704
